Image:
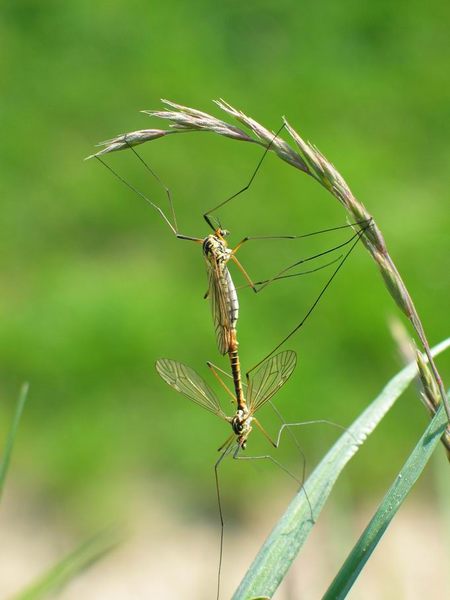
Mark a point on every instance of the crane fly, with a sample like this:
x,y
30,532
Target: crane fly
x,y
265,379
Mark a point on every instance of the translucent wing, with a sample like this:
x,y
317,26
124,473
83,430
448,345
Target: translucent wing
x,y
220,308
269,377
186,381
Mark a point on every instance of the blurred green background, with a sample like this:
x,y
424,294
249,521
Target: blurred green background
x,y
95,288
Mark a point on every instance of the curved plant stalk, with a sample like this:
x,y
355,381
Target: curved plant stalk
x,y
289,534
394,498
310,161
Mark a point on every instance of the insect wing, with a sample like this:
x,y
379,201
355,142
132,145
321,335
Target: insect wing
x,y
185,380
270,377
220,310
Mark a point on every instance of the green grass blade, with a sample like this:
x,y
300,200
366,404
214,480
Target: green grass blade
x,y
284,542
388,508
70,566
6,456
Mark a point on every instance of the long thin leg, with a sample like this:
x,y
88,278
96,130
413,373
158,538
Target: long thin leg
x,y
282,274
308,259
287,426
226,451
302,235
245,188
161,183
292,436
314,304
219,370
244,272
276,463
276,444
308,272
152,204
226,443
220,380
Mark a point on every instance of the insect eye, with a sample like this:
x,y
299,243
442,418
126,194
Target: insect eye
x,y
238,426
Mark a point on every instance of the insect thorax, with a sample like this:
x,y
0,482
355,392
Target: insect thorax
x,y
216,249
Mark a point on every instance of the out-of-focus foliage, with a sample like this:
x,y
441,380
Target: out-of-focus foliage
x,y
94,286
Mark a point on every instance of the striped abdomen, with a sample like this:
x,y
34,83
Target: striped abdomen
x,y
236,373
229,291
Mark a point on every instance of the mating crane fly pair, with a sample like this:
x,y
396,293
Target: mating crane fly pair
x,y
266,378
271,372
